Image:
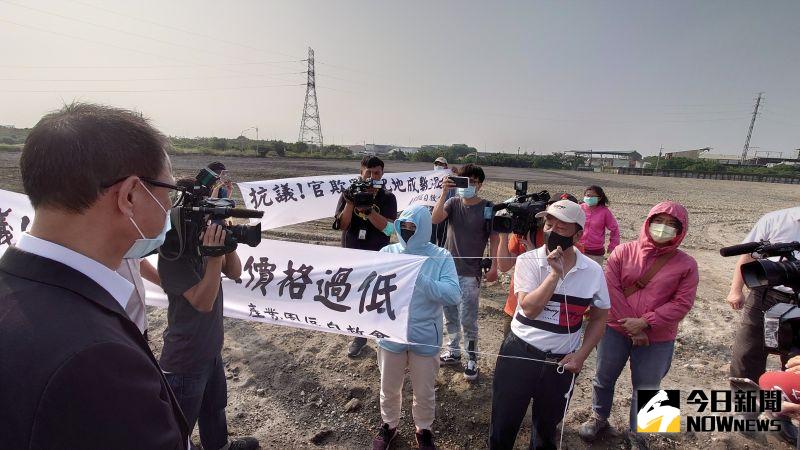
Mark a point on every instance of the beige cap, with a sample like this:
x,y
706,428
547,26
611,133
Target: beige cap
x,y
440,160
565,211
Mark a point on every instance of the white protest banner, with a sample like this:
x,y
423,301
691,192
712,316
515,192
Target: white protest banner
x,y
16,215
338,290
353,292
289,201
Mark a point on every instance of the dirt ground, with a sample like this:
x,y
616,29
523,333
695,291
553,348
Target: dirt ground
x,y
289,388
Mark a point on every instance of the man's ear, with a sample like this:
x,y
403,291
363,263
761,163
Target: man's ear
x,y
124,195
578,235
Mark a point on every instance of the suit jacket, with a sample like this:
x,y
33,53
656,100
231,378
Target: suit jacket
x,y
75,372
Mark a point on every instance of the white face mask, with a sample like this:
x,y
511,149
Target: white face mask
x,y
435,167
662,233
144,246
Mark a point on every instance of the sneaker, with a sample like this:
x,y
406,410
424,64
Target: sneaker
x,y
450,357
471,370
384,438
244,443
590,429
356,346
425,440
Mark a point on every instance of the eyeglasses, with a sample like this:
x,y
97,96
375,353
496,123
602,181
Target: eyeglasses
x,y
175,192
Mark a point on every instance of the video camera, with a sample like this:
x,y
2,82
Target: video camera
x,y
782,321
521,212
191,217
359,192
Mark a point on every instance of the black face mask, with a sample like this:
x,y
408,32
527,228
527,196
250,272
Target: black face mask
x,y
406,234
554,240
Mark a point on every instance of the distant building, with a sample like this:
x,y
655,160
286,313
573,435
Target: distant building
x,y
728,160
380,149
690,154
610,158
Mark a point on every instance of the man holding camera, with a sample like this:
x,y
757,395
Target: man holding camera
x,y
192,353
75,371
749,358
366,225
468,230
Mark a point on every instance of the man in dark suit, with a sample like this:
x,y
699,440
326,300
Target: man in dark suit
x,y
75,372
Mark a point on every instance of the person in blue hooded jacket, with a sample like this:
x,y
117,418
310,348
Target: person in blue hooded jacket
x,y
436,286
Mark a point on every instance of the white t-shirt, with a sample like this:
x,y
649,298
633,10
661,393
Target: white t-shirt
x,y
557,328
777,227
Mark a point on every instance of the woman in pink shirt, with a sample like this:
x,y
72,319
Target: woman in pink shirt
x,y
642,325
598,219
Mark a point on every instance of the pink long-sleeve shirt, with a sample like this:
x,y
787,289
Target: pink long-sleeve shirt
x,y
669,296
598,220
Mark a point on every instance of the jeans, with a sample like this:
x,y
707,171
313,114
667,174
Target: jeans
x,y
649,365
203,397
516,383
465,314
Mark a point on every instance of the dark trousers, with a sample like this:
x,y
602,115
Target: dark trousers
x,y
749,358
203,396
516,383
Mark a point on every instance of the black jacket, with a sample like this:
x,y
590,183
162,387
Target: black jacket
x,y
75,372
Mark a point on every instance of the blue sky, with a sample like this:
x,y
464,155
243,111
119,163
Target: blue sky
x,y
543,76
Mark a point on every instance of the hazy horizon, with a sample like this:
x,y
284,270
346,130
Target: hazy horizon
x,y
540,76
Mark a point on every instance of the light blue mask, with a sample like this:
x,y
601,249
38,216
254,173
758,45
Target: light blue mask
x,y
467,192
144,246
591,201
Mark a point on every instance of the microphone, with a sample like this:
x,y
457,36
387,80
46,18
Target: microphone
x,y
740,249
788,382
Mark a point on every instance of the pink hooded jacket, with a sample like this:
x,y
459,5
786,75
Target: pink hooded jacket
x,y
669,296
598,219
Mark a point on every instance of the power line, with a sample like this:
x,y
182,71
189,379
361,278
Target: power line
x,y
132,91
151,66
181,30
136,35
101,80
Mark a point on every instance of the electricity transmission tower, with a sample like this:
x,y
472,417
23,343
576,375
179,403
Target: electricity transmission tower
x,y
310,129
750,131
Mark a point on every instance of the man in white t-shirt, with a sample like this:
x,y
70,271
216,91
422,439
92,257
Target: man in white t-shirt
x,y
555,286
749,357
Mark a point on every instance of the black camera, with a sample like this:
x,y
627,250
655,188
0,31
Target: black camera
x,y
360,192
521,212
193,213
782,321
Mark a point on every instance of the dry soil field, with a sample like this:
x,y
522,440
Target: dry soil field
x,y
289,388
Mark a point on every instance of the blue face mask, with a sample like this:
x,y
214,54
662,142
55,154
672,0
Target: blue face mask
x,y
467,192
144,246
591,201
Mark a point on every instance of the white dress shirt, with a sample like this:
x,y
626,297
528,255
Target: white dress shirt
x,y
117,286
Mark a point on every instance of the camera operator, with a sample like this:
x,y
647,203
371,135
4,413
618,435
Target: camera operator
x,y
224,188
192,353
467,234
366,228
75,371
749,358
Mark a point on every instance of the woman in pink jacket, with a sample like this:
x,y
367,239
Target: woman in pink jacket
x,y
598,219
644,316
